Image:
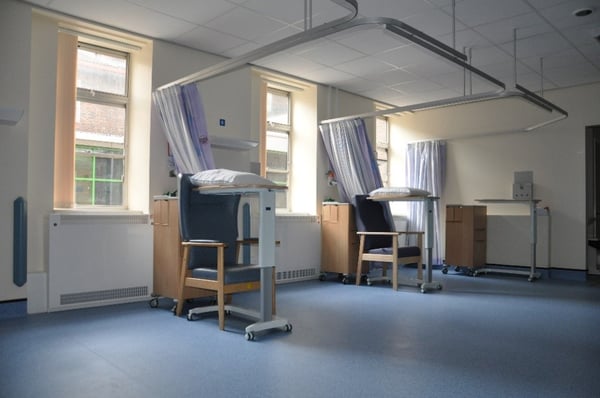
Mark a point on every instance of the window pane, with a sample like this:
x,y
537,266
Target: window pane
x,y
101,72
278,107
84,166
100,123
83,192
281,200
278,178
277,150
108,193
109,169
381,132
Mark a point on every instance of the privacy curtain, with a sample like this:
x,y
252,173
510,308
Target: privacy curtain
x,y
425,169
184,124
351,157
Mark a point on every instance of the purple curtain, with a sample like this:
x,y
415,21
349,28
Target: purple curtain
x,y
184,124
352,158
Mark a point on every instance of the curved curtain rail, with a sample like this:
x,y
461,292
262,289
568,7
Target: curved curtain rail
x,y
396,27
519,91
275,47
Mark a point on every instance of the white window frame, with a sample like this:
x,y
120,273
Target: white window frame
x,y
383,146
281,128
103,98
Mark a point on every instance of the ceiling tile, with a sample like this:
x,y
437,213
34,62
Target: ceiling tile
x,y
561,15
365,66
291,63
210,40
417,86
188,10
146,22
539,45
330,53
477,12
285,11
527,25
434,22
245,24
370,39
392,77
393,8
326,75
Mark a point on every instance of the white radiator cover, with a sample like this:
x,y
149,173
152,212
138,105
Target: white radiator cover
x,y
298,255
98,260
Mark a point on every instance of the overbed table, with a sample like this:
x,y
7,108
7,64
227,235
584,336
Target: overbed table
x,y
532,274
265,320
427,283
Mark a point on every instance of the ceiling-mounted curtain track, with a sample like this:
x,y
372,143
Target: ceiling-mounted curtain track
x,y
275,47
394,26
519,91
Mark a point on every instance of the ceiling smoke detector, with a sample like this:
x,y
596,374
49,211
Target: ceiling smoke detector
x,y
583,12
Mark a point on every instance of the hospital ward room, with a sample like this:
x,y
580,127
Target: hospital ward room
x,y
310,198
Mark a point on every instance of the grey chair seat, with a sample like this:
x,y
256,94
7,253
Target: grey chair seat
x,y
233,273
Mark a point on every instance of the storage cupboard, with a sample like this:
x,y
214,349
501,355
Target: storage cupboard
x,y
466,237
167,252
339,242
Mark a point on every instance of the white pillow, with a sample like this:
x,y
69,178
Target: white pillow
x,y
398,192
228,177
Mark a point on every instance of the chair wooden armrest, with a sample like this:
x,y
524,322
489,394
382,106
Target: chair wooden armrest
x,y
378,233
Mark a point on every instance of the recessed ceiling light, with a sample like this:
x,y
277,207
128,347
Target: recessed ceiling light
x,y
583,12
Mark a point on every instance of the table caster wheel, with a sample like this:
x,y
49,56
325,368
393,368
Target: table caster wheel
x,y
288,327
154,302
250,336
444,270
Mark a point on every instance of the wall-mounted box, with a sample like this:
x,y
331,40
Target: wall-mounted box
x,y
523,185
10,116
523,191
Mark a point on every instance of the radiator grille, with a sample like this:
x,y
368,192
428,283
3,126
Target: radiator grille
x,y
296,275
102,219
103,295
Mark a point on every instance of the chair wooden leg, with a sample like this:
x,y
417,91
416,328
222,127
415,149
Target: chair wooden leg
x,y
273,294
221,308
361,247
395,264
182,275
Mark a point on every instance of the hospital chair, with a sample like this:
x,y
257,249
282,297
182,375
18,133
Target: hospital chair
x,y
210,248
378,242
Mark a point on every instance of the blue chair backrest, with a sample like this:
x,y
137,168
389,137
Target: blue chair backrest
x,y
203,216
371,216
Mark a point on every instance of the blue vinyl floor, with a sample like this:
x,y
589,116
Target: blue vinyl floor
x,y
486,336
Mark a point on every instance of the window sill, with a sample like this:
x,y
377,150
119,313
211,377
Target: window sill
x,y
94,211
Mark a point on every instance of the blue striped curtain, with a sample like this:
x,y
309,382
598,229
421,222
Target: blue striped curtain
x,y
184,124
351,157
425,169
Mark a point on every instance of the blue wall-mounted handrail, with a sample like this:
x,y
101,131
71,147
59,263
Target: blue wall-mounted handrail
x,y
20,242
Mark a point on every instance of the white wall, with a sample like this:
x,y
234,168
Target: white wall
x,y
483,166
15,34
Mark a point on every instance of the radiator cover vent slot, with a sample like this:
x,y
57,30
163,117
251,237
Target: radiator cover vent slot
x,y
103,295
296,274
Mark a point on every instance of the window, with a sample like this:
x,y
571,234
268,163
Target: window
x,y
277,142
382,138
100,126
